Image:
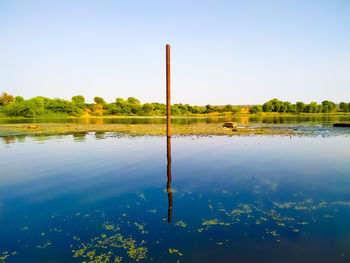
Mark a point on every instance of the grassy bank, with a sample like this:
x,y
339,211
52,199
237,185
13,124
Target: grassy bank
x,y
137,129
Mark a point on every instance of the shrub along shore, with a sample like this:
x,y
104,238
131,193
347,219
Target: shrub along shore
x,y
41,107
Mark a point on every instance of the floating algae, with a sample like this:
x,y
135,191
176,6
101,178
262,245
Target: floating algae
x,y
210,222
140,227
100,249
181,224
284,205
48,243
175,251
6,254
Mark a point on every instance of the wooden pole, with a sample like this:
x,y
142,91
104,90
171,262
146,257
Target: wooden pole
x,y
168,109
168,133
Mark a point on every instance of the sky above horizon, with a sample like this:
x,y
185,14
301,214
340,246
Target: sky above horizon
x,y
222,52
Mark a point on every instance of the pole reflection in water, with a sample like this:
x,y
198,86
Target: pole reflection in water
x,y
168,185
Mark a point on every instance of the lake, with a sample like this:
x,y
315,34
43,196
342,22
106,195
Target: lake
x,y
115,198
327,120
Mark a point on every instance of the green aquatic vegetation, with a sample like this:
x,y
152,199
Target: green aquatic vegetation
x,y
237,212
308,201
261,216
5,254
175,251
140,227
100,248
108,226
271,232
246,207
283,205
210,222
300,207
48,243
55,230
322,203
180,224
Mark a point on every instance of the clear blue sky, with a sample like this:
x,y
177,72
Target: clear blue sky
x,y
223,52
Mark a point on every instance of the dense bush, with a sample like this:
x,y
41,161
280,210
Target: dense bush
x,y
41,106
276,105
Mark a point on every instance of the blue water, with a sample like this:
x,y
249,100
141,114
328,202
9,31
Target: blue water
x,y
234,199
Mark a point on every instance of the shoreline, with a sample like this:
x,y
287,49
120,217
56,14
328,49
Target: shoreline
x,y
262,115
143,129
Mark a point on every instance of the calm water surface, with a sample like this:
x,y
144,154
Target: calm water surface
x,y
219,199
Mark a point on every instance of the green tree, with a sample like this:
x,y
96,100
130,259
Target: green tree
x,y
196,109
99,100
209,108
79,101
228,107
175,110
267,107
147,109
277,104
311,108
20,109
300,106
132,100
6,99
255,109
19,99
328,106
288,106
344,107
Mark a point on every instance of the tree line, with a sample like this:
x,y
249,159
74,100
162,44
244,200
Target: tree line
x,y
39,106
276,105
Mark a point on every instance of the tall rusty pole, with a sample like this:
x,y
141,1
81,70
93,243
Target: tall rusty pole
x,y
168,133
168,109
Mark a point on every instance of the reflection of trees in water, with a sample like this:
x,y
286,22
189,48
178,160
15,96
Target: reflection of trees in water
x,y
322,119
168,184
100,134
79,137
9,139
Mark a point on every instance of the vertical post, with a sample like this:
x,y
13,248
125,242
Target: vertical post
x,y
168,109
168,133
168,184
